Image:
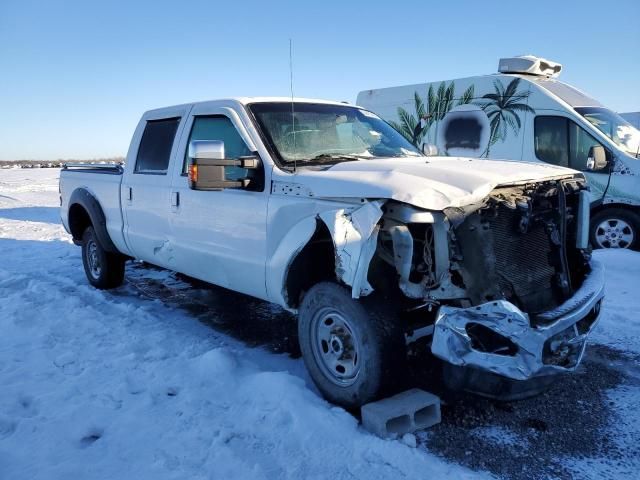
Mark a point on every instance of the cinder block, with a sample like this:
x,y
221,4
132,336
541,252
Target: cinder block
x,y
403,413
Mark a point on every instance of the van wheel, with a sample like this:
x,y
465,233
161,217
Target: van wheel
x,y
354,350
104,269
615,228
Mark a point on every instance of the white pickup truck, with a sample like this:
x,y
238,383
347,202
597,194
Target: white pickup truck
x,y
324,209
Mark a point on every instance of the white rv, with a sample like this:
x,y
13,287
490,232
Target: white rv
x,y
524,113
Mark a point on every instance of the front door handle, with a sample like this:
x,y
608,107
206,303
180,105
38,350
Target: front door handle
x,y
175,199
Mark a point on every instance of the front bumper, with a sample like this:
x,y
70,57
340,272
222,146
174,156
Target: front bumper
x,y
555,345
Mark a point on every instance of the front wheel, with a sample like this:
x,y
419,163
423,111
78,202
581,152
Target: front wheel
x,y
615,228
104,269
354,350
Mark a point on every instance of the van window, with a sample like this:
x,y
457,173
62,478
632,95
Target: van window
x,y
154,151
580,142
551,142
220,128
561,141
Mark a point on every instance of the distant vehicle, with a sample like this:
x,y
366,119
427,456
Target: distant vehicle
x,y
524,113
326,210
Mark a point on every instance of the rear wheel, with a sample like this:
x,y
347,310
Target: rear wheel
x,y
354,350
104,269
615,228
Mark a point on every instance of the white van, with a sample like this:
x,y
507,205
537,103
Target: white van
x,y
524,113
632,117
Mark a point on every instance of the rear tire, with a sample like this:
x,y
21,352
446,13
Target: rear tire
x,y
615,228
104,269
354,350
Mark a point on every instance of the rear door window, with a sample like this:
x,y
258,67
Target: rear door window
x,y
155,147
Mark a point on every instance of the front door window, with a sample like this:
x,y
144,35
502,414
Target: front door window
x,y
220,128
560,141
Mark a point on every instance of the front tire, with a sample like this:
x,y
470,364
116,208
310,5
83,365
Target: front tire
x,y
104,270
615,228
354,350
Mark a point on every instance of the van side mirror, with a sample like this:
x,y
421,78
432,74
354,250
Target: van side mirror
x,y
597,158
429,149
207,164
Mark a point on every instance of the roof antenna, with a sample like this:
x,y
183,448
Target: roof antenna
x,y
293,119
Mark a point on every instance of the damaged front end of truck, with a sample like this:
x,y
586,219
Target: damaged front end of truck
x,y
507,287
496,280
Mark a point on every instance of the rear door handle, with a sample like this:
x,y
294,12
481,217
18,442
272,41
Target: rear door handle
x,y
175,199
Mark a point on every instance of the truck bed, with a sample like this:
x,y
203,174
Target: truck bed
x,y
103,181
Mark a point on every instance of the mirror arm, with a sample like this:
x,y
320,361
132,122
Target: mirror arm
x,y
242,162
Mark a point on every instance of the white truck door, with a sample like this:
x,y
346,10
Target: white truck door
x,y
220,236
561,141
145,192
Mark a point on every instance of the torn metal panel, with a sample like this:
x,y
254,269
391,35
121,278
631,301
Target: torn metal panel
x,y
514,348
361,286
354,233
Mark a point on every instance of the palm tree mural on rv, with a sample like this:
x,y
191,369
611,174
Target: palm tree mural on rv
x,y
414,127
502,108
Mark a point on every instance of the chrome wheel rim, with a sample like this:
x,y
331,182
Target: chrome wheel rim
x,y
93,259
335,347
614,233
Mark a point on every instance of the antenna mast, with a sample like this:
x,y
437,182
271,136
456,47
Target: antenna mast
x,y
293,119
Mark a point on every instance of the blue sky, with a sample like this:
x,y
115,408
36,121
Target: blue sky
x,y
76,75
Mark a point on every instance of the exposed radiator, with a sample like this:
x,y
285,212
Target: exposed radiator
x,y
523,262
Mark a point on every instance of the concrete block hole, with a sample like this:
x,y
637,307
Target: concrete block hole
x,y
399,425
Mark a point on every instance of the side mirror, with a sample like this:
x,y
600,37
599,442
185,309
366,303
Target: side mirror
x,y
597,158
429,149
207,166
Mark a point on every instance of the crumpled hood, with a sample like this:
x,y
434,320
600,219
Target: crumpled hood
x,y
433,183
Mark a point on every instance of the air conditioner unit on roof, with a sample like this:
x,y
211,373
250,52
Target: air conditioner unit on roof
x,y
530,65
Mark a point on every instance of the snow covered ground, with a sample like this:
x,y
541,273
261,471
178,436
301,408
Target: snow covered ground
x,y
117,385
110,385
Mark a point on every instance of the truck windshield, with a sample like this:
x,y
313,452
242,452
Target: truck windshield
x,y
315,133
613,126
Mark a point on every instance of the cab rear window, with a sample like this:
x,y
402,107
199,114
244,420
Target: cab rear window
x,y
155,146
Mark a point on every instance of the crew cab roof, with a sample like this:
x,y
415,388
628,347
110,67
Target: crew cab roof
x,y
242,101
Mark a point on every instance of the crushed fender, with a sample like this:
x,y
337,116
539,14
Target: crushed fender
x,y
355,234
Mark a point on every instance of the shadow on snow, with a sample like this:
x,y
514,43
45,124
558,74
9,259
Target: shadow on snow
x,y
32,214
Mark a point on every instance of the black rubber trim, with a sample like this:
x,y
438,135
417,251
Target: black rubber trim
x,y
82,197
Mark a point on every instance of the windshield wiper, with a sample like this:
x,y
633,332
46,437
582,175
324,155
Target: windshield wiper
x,y
333,158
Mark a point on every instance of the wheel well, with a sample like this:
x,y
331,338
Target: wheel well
x,y
79,220
315,263
622,206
